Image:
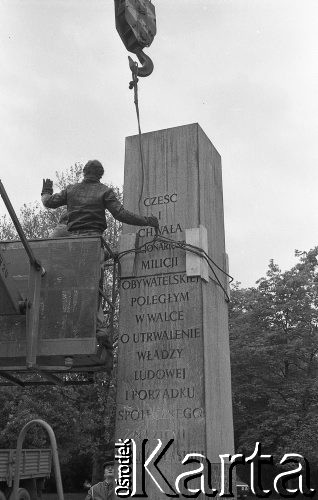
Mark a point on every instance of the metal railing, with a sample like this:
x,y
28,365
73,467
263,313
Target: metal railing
x,y
56,463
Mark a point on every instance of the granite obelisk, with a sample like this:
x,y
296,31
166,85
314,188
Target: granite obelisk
x,y
174,379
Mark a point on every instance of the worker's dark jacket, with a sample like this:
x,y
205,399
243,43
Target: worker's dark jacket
x,y
101,491
86,204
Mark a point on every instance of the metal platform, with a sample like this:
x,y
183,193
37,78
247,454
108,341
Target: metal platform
x,y
69,295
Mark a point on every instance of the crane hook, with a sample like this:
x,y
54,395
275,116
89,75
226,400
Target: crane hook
x,y
147,65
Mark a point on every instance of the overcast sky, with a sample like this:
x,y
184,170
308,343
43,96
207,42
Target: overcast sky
x,y
245,70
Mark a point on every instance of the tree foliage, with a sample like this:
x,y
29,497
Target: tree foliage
x,y
274,345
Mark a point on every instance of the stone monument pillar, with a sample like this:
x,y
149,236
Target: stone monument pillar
x,y
174,378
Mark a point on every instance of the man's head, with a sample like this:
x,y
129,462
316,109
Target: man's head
x,y
108,470
93,168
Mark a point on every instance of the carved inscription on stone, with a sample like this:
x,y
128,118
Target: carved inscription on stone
x,y
161,340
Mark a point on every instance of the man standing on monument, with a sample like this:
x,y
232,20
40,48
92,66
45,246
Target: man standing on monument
x,y
87,201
